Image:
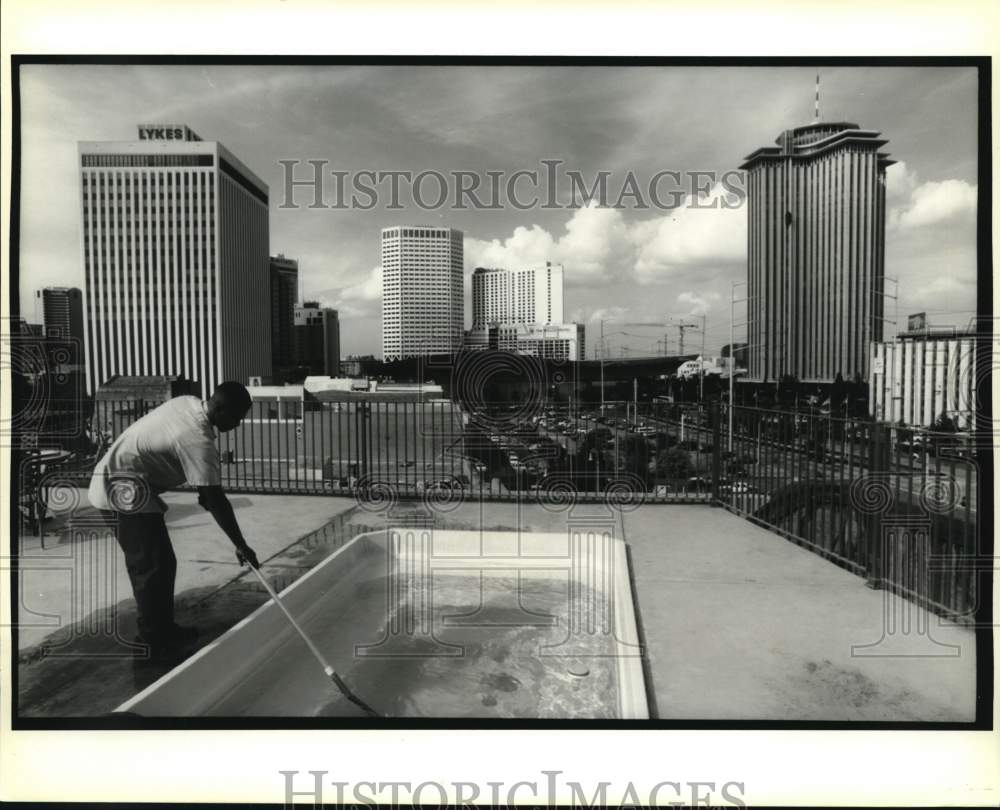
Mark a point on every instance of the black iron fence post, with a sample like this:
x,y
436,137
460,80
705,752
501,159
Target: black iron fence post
x,y
878,468
364,409
716,422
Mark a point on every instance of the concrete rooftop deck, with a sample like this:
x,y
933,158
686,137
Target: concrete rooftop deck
x,y
739,623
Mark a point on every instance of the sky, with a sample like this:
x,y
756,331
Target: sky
x,y
624,265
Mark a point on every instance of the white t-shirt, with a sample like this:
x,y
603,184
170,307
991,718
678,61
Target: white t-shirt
x,y
171,445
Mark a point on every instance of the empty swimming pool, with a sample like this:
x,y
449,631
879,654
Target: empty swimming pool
x,y
430,623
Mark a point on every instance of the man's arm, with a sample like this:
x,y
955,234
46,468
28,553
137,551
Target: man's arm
x,y
215,501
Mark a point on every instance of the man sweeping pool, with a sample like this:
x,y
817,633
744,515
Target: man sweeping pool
x,y
173,444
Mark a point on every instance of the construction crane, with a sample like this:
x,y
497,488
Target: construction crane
x,y
680,328
627,324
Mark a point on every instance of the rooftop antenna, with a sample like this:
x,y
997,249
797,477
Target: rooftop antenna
x,y
817,97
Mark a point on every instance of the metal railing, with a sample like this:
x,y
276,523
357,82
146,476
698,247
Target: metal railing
x,y
407,448
896,505
355,444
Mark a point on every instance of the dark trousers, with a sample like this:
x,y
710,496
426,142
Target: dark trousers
x,y
152,567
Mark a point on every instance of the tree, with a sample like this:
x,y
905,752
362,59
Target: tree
x,y
674,464
944,424
594,439
633,456
592,456
942,433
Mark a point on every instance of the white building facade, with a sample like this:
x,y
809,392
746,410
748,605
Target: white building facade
x,y
914,380
521,311
423,288
530,295
174,245
552,341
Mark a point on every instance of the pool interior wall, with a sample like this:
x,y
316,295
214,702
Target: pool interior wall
x,y
425,623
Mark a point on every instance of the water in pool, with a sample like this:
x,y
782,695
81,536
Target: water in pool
x,y
486,656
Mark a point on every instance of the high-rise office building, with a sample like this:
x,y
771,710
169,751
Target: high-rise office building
x,y
60,310
317,339
816,252
175,257
422,291
529,295
284,294
521,311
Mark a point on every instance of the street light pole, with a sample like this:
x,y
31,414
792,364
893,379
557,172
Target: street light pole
x,y
701,377
732,364
732,353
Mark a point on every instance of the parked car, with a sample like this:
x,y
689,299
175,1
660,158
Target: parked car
x,y
697,484
443,484
915,447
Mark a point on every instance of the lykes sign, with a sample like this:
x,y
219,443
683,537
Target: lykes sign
x,y
166,132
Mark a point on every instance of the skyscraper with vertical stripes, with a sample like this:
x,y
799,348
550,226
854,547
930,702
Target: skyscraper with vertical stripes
x,y
816,252
174,244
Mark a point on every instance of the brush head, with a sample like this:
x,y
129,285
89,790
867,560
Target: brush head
x,y
342,706
349,697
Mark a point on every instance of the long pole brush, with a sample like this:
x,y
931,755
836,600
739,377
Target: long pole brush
x,y
331,673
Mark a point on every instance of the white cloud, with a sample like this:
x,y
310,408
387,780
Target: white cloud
x,y
698,304
900,183
355,300
524,247
913,204
936,203
930,244
599,246
609,314
367,290
595,247
941,287
691,236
